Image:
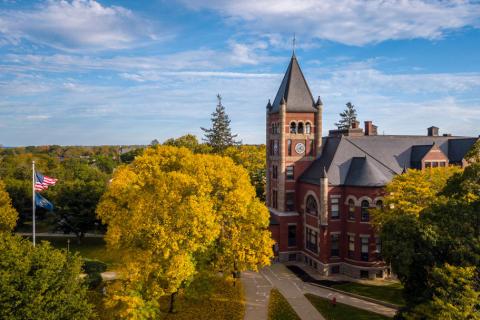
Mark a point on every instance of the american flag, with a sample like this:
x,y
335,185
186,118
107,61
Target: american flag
x,y
43,182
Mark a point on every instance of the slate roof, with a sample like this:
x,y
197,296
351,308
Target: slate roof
x,y
295,90
417,154
375,160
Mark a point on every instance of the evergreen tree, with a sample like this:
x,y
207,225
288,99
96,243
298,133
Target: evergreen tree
x,y
220,136
348,117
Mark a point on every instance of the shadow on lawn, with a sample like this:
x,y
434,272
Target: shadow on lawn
x,y
305,277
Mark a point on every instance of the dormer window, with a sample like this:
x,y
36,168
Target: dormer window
x,y
300,127
308,128
293,127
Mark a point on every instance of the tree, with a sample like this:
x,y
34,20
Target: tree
x,y
220,136
252,158
8,215
456,295
190,142
347,117
154,143
433,245
40,282
75,210
412,192
177,214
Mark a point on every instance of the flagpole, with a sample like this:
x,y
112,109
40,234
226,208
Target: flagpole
x,y
33,201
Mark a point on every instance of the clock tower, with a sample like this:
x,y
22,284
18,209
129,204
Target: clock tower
x,y
294,139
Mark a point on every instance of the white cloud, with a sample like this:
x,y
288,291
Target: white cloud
x,y
351,22
76,24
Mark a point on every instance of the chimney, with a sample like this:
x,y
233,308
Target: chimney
x,y
355,124
370,129
432,131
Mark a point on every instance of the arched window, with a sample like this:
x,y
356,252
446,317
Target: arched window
x,y
365,216
351,209
293,127
311,206
379,205
308,128
300,127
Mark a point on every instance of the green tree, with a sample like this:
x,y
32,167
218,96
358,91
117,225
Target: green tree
x,y
190,142
177,214
8,215
435,248
347,117
456,295
220,136
40,282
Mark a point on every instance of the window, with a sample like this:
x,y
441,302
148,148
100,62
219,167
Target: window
x,y
364,274
308,128
271,147
274,172
351,209
428,164
292,257
364,248
442,164
335,269
273,128
335,214
290,201
275,199
378,247
311,240
292,235
351,246
365,216
334,245
289,147
312,148
293,127
275,147
290,173
379,205
300,127
434,164
311,206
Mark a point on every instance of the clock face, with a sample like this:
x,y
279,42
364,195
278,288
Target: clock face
x,y
300,148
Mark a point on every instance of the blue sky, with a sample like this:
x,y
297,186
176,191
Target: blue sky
x,y
85,72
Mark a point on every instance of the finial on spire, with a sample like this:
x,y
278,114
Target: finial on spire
x,y
269,104
319,102
293,44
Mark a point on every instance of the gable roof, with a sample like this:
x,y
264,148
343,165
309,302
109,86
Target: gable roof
x,y
384,157
294,89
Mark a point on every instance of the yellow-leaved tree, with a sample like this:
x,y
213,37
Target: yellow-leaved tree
x,y
8,215
413,191
175,214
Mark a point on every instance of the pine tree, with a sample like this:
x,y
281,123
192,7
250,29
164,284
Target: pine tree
x,y
220,136
348,117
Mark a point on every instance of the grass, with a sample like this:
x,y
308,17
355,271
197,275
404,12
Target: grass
x,y
224,302
341,311
92,248
279,308
390,293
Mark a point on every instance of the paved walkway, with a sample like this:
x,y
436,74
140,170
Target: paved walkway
x,y
257,291
292,289
354,302
257,294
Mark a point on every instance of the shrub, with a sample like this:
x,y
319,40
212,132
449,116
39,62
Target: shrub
x,y
93,266
93,280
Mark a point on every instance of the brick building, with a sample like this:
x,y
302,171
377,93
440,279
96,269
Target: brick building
x,y
320,189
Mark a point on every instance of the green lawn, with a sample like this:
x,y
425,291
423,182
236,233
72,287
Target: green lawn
x,y
279,308
341,311
92,248
390,293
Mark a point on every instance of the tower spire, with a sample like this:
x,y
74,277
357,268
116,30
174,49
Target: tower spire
x,y
293,44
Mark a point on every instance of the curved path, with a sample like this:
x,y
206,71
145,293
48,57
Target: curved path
x,y
257,291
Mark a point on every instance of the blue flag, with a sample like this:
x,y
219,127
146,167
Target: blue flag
x,y
41,202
